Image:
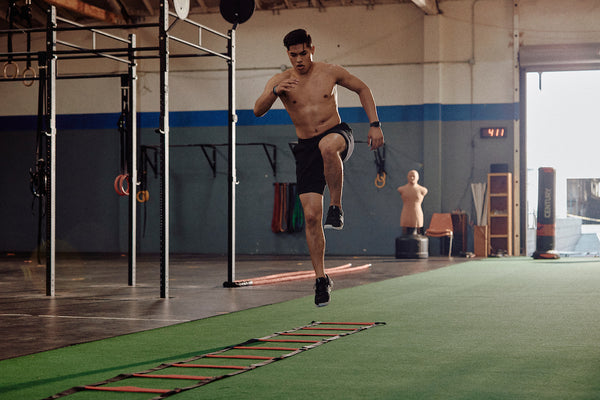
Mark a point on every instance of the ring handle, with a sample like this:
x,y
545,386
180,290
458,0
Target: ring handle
x,y
122,185
380,180
6,70
143,196
29,76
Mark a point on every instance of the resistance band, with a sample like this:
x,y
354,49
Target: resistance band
x,y
276,219
288,215
300,339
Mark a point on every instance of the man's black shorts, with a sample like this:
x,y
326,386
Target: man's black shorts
x,y
309,163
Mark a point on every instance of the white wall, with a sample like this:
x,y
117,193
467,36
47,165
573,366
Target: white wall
x,y
387,46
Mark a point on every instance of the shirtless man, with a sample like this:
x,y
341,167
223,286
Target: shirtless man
x,y
411,218
309,93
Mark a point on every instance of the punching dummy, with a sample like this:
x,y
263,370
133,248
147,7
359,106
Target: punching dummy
x,y
411,218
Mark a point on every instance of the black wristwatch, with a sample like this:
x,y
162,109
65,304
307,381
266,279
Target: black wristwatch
x,y
375,124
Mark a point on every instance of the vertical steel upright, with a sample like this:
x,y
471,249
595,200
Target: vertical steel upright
x,y
164,147
51,152
132,125
232,157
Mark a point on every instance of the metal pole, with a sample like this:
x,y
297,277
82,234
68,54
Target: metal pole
x,y
132,125
232,157
51,153
164,148
516,135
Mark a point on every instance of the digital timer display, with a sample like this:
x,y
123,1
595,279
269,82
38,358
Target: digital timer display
x,y
492,133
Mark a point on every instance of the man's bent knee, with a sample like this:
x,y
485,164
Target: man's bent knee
x,y
332,145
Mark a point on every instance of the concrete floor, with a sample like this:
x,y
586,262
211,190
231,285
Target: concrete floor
x,y
93,300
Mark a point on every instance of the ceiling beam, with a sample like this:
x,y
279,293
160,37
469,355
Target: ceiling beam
x,y
203,6
120,9
87,10
429,7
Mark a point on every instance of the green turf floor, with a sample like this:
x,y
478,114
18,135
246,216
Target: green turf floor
x,y
513,328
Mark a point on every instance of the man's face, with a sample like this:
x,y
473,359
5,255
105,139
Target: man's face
x,y
301,57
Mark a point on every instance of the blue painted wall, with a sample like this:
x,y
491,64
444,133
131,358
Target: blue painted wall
x,y
93,218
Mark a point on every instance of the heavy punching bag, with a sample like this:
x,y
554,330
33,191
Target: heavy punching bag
x,y
546,220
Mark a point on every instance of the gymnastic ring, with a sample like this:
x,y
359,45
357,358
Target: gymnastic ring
x,y
120,187
143,196
380,180
5,70
28,81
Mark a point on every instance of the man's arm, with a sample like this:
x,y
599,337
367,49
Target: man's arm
x,y
351,82
275,87
266,99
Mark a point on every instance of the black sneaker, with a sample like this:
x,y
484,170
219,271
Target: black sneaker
x,y
322,289
335,218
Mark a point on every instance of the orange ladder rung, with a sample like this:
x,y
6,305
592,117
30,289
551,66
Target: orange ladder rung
x,y
309,334
238,356
131,389
289,340
265,348
330,329
167,376
209,366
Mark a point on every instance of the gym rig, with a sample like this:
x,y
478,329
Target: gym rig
x,y
43,174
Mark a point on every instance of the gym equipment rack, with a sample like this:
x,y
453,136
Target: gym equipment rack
x,y
47,61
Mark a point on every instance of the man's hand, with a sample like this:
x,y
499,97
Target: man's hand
x,y
375,137
285,85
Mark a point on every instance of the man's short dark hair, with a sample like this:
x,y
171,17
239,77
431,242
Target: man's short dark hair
x,y
298,36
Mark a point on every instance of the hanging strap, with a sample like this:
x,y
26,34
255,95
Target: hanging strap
x,y
29,73
380,164
122,183
11,69
37,174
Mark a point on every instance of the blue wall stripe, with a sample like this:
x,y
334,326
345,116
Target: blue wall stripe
x,y
409,113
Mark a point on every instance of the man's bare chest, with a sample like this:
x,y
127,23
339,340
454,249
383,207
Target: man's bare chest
x,y
312,90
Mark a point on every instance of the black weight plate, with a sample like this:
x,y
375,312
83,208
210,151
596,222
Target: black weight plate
x,y
237,11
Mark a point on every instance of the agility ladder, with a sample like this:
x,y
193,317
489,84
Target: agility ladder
x,y
306,337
